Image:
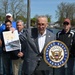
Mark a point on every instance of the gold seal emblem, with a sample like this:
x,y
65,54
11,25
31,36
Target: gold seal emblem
x,y
56,54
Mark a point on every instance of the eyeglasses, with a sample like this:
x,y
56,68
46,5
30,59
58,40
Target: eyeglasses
x,y
66,23
41,24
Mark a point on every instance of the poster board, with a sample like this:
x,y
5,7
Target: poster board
x,y
11,40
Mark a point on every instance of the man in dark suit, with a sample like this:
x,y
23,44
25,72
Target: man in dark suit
x,y
36,40
18,55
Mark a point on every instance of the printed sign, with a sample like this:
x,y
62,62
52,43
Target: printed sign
x,y
11,40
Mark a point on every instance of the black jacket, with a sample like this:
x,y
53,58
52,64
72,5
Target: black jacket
x,y
69,39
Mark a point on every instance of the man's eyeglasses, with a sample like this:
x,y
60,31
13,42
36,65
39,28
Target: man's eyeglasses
x,y
66,23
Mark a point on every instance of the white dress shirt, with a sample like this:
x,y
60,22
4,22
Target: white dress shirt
x,y
41,41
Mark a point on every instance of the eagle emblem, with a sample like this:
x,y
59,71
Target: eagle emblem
x,y
56,54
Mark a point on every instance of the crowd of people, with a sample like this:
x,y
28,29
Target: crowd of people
x,y
29,60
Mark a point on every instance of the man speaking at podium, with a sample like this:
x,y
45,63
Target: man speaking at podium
x,y
37,39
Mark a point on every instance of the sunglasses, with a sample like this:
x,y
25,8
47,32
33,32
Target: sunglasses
x,y
66,23
8,16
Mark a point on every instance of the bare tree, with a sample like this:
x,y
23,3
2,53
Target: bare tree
x,y
15,7
4,7
65,10
18,8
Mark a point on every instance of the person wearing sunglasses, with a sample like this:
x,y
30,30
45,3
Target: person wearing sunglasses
x,y
8,17
67,35
67,25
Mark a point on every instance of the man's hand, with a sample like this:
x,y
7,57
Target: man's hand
x,y
12,29
4,49
20,54
0,43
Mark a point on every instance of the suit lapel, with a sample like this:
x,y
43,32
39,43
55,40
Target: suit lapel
x,y
35,31
36,42
47,39
48,36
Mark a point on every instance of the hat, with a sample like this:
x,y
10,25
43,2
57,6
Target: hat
x,y
67,20
8,14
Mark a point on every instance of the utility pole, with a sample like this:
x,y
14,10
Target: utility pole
x,y
28,13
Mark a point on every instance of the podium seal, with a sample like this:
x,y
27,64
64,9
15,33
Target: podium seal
x,y
56,54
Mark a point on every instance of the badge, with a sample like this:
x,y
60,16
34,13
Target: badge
x,y
56,54
69,35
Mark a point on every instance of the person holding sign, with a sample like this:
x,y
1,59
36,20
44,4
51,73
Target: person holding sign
x,y
1,69
6,55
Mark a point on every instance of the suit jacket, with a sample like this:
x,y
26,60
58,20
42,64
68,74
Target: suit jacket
x,y
13,54
32,53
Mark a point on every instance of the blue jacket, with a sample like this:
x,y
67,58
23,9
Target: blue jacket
x,y
3,26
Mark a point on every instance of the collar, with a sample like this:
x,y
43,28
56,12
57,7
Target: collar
x,y
20,31
43,33
63,31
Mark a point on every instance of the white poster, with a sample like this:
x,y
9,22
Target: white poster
x,y
11,40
